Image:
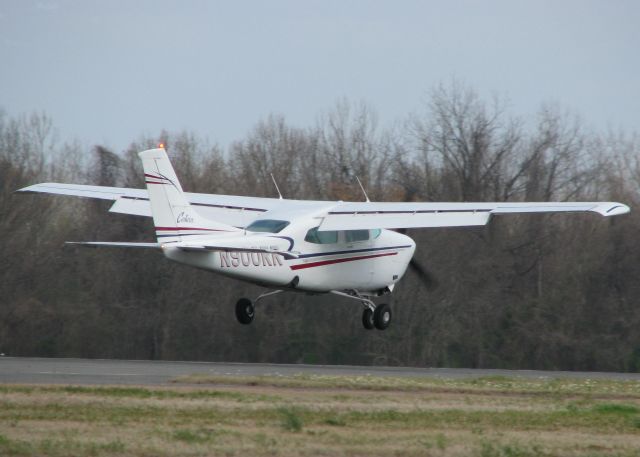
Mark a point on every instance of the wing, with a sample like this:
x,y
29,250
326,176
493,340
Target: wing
x,y
79,190
234,210
371,215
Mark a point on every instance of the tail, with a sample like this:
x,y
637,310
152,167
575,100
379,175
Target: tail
x,y
173,216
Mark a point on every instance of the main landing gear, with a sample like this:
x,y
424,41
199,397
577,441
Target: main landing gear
x,y
245,308
245,311
372,316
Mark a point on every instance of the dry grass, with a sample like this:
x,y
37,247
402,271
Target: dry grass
x,y
321,415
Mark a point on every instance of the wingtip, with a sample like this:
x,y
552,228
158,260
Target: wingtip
x,y
612,209
619,209
23,189
34,188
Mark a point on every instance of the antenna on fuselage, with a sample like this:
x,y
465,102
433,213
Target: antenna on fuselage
x,y
363,191
276,184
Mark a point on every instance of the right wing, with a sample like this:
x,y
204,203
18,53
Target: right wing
x,y
397,215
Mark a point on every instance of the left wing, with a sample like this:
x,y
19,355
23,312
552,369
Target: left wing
x,y
392,215
234,210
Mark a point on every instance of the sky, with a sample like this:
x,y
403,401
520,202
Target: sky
x,y
108,72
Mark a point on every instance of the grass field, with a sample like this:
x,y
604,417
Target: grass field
x,y
323,415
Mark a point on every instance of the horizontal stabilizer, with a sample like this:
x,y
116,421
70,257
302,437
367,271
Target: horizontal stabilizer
x,y
206,247
107,244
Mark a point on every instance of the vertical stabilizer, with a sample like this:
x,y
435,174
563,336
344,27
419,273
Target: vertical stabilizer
x,y
173,216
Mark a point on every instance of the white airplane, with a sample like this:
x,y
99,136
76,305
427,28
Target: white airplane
x,y
343,248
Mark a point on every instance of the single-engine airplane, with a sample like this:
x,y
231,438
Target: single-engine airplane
x,y
350,249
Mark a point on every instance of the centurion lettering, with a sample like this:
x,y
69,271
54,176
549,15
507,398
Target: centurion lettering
x,y
245,259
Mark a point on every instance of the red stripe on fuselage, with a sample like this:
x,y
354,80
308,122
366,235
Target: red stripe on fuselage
x,y
154,176
321,263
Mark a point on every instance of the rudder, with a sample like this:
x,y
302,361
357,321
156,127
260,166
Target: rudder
x,y
173,215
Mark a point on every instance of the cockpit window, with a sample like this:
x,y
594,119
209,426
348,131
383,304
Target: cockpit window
x,y
324,237
356,235
375,233
267,225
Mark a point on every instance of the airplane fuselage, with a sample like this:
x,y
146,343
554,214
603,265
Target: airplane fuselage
x,y
366,260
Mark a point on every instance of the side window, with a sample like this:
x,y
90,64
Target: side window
x,y
356,235
267,226
324,237
375,233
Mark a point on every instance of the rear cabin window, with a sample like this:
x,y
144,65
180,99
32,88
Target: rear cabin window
x,y
324,237
267,225
356,235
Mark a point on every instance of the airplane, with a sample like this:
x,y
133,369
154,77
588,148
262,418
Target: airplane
x,y
353,250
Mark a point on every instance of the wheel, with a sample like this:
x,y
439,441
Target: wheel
x,y
382,316
244,311
367,318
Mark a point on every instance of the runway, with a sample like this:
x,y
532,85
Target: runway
x,y
17,370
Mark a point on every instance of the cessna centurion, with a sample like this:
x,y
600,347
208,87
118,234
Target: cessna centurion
x,y
342,248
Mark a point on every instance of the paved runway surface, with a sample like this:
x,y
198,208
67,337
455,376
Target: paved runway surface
x,y
143,372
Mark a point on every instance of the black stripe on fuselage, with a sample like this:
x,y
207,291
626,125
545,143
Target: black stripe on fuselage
x,y
422,211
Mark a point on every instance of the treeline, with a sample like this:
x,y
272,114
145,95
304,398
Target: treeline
x,y
540,291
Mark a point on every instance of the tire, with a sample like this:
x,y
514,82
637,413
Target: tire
x,y
367,319
245,311
382,316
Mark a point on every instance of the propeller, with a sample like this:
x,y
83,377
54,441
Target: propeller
x,y
428,279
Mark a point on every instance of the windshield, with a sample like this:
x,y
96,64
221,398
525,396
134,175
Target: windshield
x,y
267,225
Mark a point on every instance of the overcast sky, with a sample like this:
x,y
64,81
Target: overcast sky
x,y
110,71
